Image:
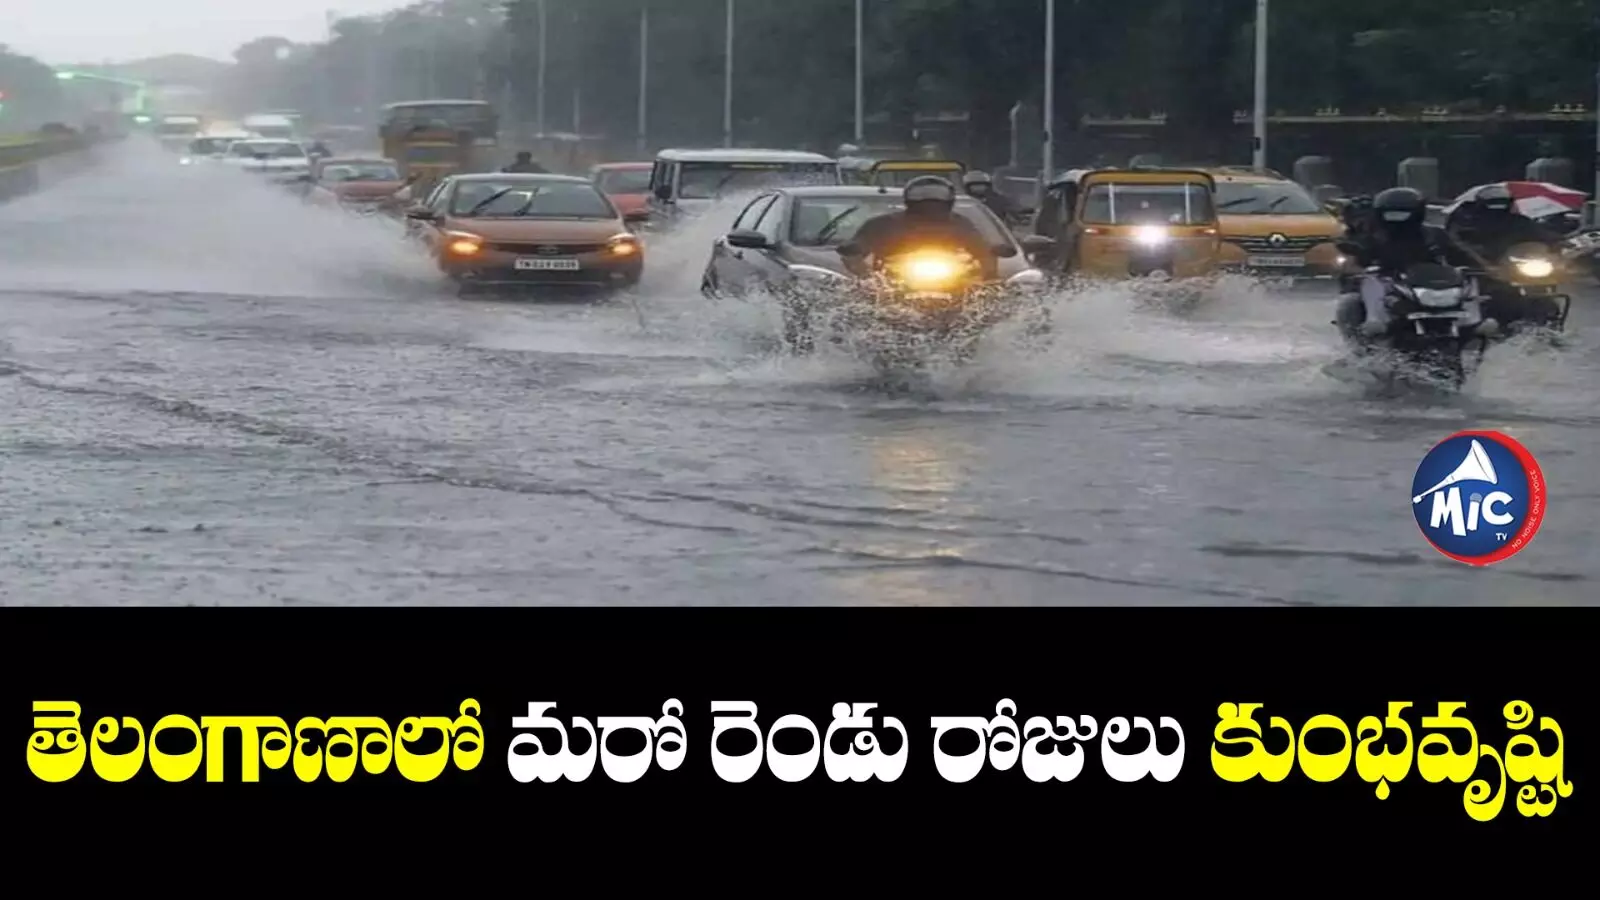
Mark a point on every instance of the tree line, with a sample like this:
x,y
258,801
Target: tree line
x,y
30,95
794,63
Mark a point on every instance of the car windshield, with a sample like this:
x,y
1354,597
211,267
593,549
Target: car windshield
x,y
530,199
705,181
832,221
268,149
178,128
1236,198
1108,203
206,146
360,171
625,181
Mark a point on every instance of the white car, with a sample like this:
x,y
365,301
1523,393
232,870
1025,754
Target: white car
x,y
211,147
283,160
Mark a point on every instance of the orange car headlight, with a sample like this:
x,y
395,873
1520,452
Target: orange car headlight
x,y
625,245
464,244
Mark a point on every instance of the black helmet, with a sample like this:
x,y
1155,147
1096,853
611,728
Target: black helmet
x,y
1494,198
930,193
1400,206
524,156
977,179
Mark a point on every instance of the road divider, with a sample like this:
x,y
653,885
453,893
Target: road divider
x,y
25,159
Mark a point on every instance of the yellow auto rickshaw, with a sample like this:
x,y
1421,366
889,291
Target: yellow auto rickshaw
x,y
893,173
1132,223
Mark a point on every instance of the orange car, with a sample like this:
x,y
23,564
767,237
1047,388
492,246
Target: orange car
x,y
524,230
362,184
626,183
1271,225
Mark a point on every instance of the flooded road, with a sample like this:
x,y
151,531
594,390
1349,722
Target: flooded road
x,y
211,394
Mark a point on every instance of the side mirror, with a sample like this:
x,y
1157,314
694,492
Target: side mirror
x,y
749,240
663,193
637,215
1348,248
420,214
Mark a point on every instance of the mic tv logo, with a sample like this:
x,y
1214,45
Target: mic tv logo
x,y
1479,497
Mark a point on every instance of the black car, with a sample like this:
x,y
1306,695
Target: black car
x,y
792,234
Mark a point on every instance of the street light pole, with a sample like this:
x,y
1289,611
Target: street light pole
x,y
1260,142
861,76
1047,159
727,82
544,24
644,78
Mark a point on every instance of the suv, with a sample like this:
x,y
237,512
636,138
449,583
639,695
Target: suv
x,y
1272,226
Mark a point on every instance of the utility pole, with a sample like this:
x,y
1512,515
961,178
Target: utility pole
x,y
644,78
1047,159
727,82
544,25
1260,156
861,75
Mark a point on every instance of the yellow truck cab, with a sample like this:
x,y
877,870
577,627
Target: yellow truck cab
x,y
1272,226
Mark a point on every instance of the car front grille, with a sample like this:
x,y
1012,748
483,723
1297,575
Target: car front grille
x,y
525,248
1264,245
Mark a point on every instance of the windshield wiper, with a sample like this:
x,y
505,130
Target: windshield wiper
x,y
833,225
1230,204
488,201
1278,202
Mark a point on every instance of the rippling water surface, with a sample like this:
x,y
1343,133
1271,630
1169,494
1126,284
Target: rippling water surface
x,y
212,394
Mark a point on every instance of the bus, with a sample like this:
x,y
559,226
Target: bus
x,y
431,139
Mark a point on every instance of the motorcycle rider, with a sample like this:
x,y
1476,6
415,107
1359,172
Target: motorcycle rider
x,y
525,164
980,186
929,220
1490,224
1394,238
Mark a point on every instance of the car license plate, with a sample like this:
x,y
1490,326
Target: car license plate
x,y
529,264
1277,262
1461,314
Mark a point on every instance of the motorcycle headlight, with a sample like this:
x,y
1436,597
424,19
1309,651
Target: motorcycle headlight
x,y
1534,268
1151,236
1026,278
185,161
928,271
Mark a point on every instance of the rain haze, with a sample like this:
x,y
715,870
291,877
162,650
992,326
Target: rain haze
x,y
119,30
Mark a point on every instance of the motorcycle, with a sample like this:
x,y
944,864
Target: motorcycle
x,y
1525,291
1436,318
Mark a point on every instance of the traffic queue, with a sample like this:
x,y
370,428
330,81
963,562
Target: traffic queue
x,y
928,252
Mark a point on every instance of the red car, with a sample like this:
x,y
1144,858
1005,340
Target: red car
x,y
627,184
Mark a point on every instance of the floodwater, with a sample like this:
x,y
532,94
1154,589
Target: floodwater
x,y
211,394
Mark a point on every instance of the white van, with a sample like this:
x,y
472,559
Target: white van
x,y
271,125
691,180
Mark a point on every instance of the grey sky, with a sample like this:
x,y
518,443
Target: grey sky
x,y
92,31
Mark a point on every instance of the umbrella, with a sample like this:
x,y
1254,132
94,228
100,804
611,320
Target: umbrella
x,y
1533,199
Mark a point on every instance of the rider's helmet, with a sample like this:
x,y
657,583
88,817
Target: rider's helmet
x,y
1399,207
1494,198
977,183
524,156
930,195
